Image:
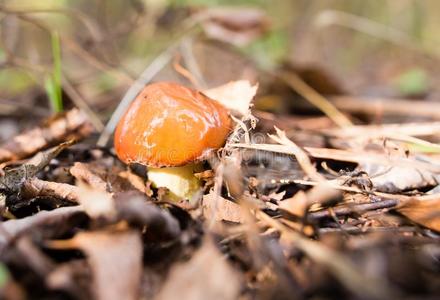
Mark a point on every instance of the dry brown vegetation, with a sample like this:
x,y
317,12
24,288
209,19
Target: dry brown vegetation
x,y
327,187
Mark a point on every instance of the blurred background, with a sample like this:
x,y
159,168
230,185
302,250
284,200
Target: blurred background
x,y
56,54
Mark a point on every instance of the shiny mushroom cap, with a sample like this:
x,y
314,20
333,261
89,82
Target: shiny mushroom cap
x,y
170,125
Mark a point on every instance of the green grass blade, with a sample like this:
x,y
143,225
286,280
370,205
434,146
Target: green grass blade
x,y
52,82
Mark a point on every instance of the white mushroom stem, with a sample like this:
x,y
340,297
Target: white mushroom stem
x,y
180,181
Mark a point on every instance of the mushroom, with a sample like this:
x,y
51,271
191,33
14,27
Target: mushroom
x,y
170,129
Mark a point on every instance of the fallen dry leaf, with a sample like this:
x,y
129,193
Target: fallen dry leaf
x,y
115,259
13,179
423,212
72,124
84,172
235,95
35,187
296,204
398,179
206,276
221,209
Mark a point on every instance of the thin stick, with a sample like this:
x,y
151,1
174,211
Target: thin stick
x,y
82,104
358,208
346,155
300,155
316,99
402,107
191,62
371,131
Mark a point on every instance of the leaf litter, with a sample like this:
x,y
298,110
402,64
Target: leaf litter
x,y
355,218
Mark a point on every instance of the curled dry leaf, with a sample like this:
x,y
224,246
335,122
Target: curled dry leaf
x,y
82,171
236,95
398,179
203,277
423,212
115,259
13,179
72,124
35,187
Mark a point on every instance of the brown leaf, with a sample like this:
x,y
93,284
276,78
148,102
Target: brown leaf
x,y
135,180
221,209
35,187
72,124
295,205
235,95
206,276
115,259
13,179
84,172
424,212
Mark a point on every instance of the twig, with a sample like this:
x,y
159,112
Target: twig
x,y
191,62
82,104
158,64
408,129
346,155
402,107
300,155
81,171
357,230
93,61
184,72
357,208
308,93
69,43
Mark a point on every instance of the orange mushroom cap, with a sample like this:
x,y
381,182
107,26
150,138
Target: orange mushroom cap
x,y
170,125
